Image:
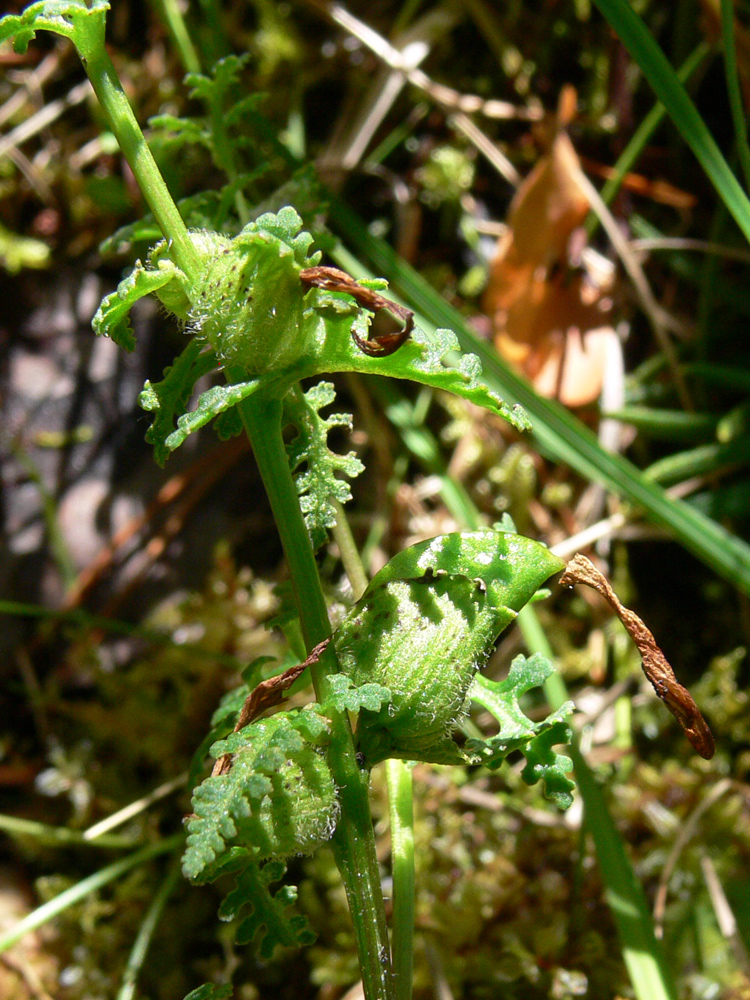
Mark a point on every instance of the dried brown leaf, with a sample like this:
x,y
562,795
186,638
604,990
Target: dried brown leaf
x,y
656,667
550,320
264,696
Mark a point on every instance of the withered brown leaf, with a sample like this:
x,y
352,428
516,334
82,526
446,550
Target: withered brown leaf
x,y
334,280
265,695
656,667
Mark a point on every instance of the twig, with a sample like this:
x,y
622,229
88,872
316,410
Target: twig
x,y
583,539
446,97
686,832
661,320
131,810
486,146
725,918
32,84
686,243
44,117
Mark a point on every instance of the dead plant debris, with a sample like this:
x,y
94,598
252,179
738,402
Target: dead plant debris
x,y
656,667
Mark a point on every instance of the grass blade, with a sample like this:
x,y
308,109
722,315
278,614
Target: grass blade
x,y
75,893
642,46
642,951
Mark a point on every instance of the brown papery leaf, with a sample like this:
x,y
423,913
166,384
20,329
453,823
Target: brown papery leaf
x,y
550,320
335,280
656,667
264,696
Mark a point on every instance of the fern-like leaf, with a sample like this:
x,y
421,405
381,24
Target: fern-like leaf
x,y
314,464
112,318
169,398
211,403
277,798
544,764
267,924
518,732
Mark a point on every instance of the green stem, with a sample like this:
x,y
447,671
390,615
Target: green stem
x,y
733,87
127,131
642,135
183,43
262,419
145,935
348,551
401,807
353,842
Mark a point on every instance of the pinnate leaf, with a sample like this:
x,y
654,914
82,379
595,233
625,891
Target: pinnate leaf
x,y
518,732
277,798
314,464
267,923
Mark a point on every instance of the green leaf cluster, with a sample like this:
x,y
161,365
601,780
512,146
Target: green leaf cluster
x,y
251,314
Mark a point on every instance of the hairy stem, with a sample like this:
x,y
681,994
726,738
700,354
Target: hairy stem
x,y
353,842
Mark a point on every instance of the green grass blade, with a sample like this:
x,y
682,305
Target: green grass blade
x,y
42,914
557,432
640,43
733,86
641,136
642,951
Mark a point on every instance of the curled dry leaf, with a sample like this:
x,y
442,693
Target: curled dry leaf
x,y
550,319
265,695
678,699
334,280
